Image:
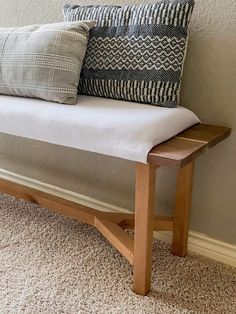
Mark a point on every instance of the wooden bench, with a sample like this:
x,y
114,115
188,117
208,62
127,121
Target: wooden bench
x,y
179,152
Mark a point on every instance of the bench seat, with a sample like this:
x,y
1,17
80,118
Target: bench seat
x,y
151,136
106,126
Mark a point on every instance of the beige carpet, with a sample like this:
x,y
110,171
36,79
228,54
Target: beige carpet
x,y
51,264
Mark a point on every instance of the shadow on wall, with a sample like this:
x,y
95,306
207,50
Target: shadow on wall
x,y
102,177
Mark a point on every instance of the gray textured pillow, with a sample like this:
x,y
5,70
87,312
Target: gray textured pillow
x,y
43,61
135,52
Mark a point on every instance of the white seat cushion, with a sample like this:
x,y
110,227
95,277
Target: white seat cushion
x,y
111,127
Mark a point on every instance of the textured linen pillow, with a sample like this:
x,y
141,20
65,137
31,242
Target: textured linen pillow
x,y
43,61
135,52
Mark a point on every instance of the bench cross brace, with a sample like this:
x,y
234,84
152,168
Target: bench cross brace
x,y
138,249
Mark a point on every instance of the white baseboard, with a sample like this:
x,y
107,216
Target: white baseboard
x,y
57,191
204,245
198,243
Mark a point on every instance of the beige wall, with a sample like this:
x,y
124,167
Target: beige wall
x,y
209,89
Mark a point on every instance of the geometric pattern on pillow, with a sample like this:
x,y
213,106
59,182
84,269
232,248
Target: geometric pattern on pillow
x,y
135,52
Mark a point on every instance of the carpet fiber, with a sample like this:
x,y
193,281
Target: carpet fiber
x,y
52,264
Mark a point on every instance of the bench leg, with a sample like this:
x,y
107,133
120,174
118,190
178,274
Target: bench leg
x,y
143,233
182,208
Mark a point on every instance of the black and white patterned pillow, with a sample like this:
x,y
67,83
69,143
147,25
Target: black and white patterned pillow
x,y
135,53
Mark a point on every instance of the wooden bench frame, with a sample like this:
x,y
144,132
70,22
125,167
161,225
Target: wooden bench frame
x,y
179,152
